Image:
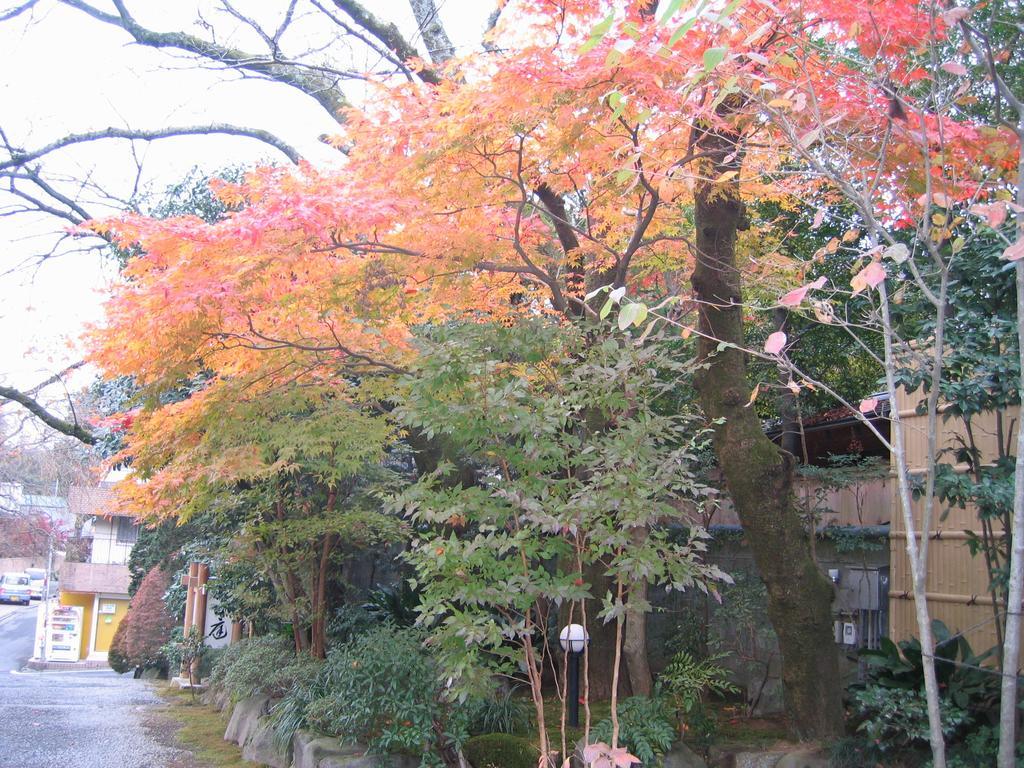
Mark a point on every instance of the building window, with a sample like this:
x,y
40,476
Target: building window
x,y
127,530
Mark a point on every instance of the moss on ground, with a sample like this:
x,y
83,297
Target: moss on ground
x,y
201,729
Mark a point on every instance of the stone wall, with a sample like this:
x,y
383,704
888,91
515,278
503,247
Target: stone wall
x,y
251,728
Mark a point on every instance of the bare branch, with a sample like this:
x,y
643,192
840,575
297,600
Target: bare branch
x,y
19,158
57,377
322,88
70,428
17,10
388,34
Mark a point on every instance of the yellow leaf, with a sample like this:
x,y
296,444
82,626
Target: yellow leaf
x,y
725,177
753,395
851,235
780,103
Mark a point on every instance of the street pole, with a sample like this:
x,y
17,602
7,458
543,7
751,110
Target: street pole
x,y
45,599
574,689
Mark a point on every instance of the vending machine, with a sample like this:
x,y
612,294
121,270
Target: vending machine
x,y
64,633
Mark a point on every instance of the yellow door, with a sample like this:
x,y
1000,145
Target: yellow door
x,y
109,613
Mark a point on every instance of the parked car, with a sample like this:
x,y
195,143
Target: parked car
x,y
14,588
36,582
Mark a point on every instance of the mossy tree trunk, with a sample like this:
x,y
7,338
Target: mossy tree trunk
x,y
758,474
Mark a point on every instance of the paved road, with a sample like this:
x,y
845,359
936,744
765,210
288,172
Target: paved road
x,y
70,719
17,628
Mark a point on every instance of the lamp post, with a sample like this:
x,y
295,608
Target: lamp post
x,y
45,598
573,639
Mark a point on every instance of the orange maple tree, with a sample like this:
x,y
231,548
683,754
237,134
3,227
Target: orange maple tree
x,y
602,148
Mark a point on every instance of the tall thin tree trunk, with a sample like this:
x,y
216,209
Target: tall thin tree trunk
x,y
1015,589
758,475
917,551
318,644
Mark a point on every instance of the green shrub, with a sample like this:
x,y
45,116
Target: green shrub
x,y
289,714
395,604
382,689
208,660
896,719
889,708
501,713
645,728
979,750
500,750
171,651
224,662
853,752
260,668
347,622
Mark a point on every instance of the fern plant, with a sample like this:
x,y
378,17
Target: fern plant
x,y
687,680
645,729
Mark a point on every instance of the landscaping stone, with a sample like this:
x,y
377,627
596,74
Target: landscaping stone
x,y
681,756
370,761
807,758
221,699
260,747
245,719
310,749
757,759
772,699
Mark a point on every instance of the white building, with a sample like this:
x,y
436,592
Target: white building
x,y
112,533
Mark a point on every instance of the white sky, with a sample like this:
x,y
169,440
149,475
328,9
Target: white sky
x,y
61,72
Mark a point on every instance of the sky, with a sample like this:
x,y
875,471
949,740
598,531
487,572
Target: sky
x,y
61,72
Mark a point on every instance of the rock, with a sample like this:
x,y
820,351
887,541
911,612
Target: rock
x,y
309,749
245,719
681,756
150,673
805,758
222,699
772,700
218,698
260,747
757,759
370,761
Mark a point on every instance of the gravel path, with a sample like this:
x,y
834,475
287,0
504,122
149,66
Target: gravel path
x,y
80,720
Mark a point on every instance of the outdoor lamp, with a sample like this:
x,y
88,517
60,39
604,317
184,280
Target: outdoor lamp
x,y
574,639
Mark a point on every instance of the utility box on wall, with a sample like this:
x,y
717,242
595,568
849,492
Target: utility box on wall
x,y
862,589
861,606
870,587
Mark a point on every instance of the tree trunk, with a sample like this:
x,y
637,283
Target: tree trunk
x,y
1015,589
318,642
759,475
634,642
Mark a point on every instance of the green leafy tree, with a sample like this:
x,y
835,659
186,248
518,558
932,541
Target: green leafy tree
x,y
294,470
577,468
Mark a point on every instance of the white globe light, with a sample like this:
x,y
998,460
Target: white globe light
x,y
573,638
